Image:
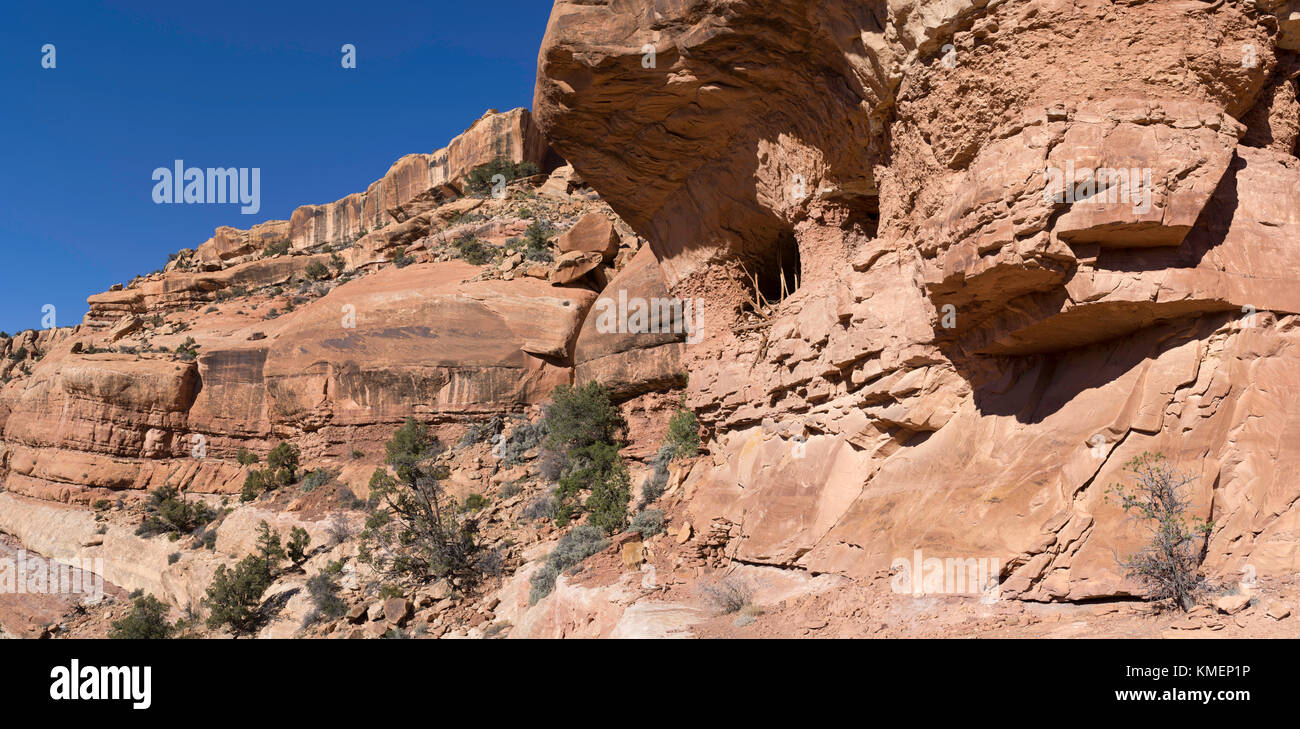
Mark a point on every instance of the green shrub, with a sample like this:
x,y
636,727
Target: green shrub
x,y
400,259
599,468
579,417
269,547
187,349
277,248
281,470
323,587
479,180
146,621
317,479
537,241
473,251
317,271
296,549
648,523
683,434
255,485
167,513
474,502
579,544
246,457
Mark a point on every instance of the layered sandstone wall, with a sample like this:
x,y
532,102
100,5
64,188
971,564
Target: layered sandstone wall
x,y
966,362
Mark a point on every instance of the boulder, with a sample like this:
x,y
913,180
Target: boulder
x,y
397,610
571,267
593,233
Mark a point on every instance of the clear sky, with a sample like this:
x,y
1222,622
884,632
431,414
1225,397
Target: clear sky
x,y
137,85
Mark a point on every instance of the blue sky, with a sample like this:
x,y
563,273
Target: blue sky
x,y
222,84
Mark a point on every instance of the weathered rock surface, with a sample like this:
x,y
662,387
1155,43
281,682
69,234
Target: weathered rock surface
x,y
945,355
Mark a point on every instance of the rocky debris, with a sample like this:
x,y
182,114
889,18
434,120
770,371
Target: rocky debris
x,y
1278,611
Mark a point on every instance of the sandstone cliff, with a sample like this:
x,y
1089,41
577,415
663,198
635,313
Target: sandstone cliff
x,y
966,363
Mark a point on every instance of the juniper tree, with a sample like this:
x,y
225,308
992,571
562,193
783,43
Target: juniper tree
x,y
416,532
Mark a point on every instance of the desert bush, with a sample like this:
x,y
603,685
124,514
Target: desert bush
x,y
317,479
542,507
580,543
479,180
600,469
579,417
281,470
269,547
647,523
683,434
245,457
146,621
522,439
654,485
472,250
324,589
168,513
537,241
296,548
1169,564
400,259
188,349
277,248
414,531
338,529
479,432
317,271
474,502
727,595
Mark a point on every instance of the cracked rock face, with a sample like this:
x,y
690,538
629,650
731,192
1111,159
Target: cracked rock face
x,y
1001,247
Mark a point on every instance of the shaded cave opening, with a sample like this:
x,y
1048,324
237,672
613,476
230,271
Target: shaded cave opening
x,y
776,275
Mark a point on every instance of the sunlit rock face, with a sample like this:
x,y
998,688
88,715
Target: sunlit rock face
x,y
1001,247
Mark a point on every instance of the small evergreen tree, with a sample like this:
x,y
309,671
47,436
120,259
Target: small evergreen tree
x,y
146,621
234,595
296,548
